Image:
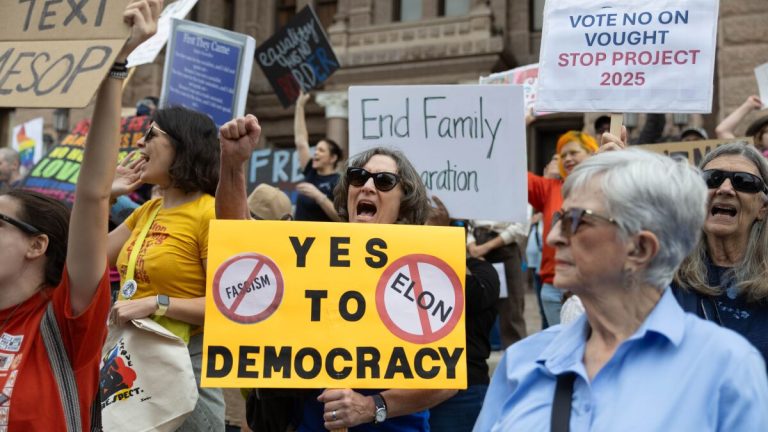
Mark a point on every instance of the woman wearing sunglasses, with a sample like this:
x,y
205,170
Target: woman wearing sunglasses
x,y
378,186
53,263
628,219
161,249
725,278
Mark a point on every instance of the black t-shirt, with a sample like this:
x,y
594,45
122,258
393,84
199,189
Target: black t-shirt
x,y
482,294
306,208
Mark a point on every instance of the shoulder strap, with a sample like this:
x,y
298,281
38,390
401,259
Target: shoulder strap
x,y
62,370
561,404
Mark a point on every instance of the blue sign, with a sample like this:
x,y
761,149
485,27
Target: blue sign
x,y
207,70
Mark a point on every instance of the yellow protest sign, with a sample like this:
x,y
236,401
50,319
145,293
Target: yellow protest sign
x,y
315,305
55,53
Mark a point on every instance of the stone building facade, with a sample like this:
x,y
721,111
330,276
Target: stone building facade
x,y
442,42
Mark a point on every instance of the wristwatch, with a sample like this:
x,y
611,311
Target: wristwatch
x,y
162,304
381,408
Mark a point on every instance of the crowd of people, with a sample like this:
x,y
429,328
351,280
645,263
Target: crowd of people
x,y
651,275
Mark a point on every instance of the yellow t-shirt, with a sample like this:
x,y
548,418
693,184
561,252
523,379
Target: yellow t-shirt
x,y
171,258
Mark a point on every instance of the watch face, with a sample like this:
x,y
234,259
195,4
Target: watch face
x,y
163,300
381,414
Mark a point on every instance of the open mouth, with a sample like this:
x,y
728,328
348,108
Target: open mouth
x,y
366,209
144,156
723,209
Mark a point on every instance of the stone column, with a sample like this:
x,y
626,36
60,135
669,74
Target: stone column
x,y
336,115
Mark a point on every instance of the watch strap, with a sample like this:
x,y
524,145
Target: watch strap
x,y
381,405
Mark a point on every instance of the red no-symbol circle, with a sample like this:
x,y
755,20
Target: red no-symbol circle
x,y
248,288
419,298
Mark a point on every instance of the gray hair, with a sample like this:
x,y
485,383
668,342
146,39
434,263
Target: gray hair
x,y
751,276
652,192
9,155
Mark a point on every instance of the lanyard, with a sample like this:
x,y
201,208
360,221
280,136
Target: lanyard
x,y
130,286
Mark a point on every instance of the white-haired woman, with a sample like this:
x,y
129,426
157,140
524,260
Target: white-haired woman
x,y
628,220
725,278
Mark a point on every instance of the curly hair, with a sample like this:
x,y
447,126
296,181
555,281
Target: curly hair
x,y
585,140
414,206
195,139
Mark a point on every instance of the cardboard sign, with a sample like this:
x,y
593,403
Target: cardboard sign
x,y
526,76
207,69
316,305
298,57
28,141
761,74
56,53
694,151
466,141
56,173
628,56
147,52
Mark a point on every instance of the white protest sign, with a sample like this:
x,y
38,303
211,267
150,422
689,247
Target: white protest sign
x,y
28,141
628,56
147,52
761,74
526,76
466,142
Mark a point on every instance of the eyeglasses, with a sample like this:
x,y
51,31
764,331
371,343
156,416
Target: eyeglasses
x,y
384,181
741,181
27,228
152,132
572,218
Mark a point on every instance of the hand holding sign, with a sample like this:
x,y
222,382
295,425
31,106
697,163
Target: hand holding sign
x,y
610,142
142,16
239,138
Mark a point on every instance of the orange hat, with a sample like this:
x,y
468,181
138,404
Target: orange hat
x,y
587,142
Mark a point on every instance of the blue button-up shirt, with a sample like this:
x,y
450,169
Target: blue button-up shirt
x,y
675,373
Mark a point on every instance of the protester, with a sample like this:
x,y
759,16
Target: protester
x,y
758,130
573,147
504,242
268,203
533,259
693,134
726,129
602,125
147,106
379,186
179,154
459,413
724,278
315,200
10,169
53,261
628,220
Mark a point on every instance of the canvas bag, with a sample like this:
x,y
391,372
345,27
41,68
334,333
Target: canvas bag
x,y
146,378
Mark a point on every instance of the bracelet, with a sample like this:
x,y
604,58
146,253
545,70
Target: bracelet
x,y
120,75
119,70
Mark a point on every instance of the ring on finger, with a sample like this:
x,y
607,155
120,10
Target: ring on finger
x,y
333,415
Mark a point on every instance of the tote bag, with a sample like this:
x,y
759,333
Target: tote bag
x,y
146,378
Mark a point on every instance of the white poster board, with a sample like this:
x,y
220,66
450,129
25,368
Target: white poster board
x,y
466,141
761,74
28,141
147,52
628,56
526,76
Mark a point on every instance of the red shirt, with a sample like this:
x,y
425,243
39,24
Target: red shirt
x,y
25,371
544,195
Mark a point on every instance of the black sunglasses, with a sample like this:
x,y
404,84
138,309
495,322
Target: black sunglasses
x,y
741,181
27,228
571,219
152,132
384,181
